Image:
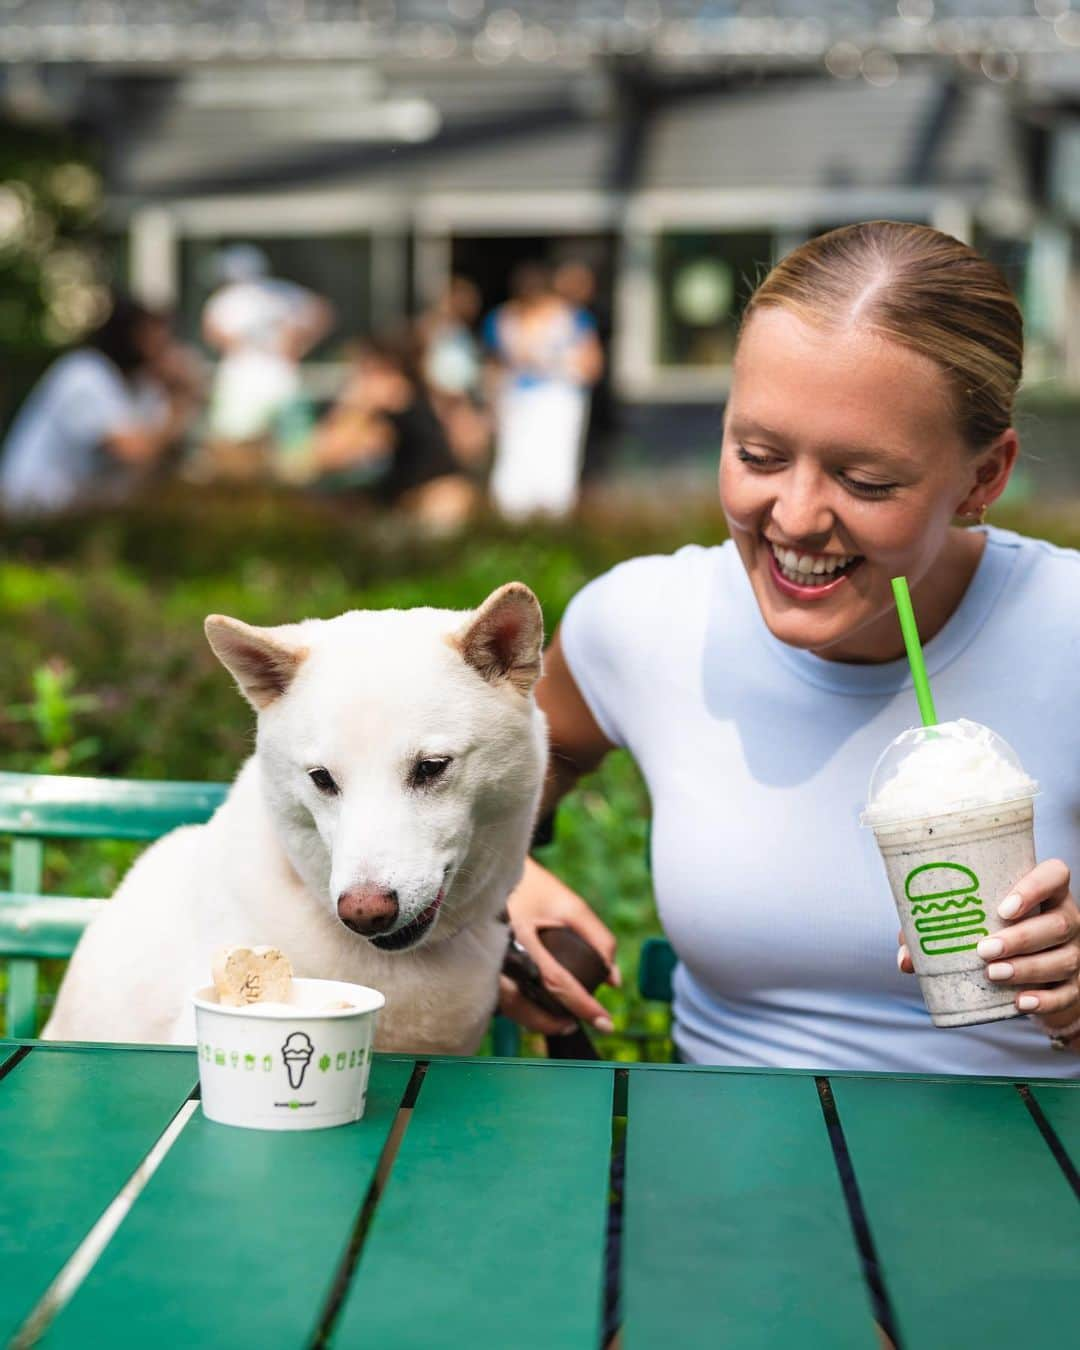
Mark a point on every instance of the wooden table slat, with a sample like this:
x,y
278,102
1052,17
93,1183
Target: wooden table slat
x,y
974,1223
237,1236
736,1230
1061,1107
490,1232
74,1125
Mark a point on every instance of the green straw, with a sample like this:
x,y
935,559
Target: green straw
x,y
914,651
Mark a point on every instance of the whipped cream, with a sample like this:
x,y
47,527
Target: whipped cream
x,y
952,766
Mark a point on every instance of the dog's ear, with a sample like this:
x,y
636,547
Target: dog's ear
x,y
503,639
260,662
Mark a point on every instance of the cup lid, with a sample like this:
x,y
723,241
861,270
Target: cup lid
x,y
950,766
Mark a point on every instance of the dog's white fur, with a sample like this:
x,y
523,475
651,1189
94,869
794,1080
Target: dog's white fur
x,y
365,696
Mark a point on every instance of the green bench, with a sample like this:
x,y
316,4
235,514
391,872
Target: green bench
x,y
656,967
34,927
38,807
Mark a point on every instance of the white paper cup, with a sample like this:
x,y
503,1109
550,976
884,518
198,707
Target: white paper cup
x,y
298,1067
948,874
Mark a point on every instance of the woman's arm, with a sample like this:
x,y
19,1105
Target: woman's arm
x,y
587,359
577,745
140,444
313,321
347,436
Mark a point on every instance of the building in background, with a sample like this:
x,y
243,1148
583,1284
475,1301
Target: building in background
x,y
373,150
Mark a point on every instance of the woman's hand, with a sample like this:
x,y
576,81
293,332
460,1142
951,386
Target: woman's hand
x,y
542,901
1038,952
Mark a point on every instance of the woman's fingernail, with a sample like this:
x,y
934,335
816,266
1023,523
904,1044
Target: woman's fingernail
x,y
1027,1002
901,952
1000,970
604,1024
615,977
988,948
1010,906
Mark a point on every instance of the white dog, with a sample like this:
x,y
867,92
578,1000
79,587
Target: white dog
x,y
374,835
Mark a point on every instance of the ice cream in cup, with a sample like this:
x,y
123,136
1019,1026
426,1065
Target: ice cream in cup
x,y
295,1063
952,811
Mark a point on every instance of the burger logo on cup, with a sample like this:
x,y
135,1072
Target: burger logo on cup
x,y
942,917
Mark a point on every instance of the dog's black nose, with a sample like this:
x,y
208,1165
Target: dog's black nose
x,y
368,910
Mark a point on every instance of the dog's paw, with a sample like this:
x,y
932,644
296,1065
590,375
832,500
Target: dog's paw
x,y
245,975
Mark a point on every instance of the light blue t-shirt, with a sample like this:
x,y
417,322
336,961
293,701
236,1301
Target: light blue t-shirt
x,y
54,456
757,757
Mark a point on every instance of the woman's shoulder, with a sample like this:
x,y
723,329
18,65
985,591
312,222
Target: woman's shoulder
x,y
1031,546
628,606
83,361
657,577
82,372
1038,562
625,627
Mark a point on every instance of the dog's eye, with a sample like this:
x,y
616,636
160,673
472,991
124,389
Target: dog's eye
x,y
323,781
427,770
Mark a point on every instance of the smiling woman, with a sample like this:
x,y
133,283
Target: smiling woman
x,y
757,683
842,450
872,404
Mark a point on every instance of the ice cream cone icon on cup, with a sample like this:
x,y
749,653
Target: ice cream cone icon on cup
x,y
297,1052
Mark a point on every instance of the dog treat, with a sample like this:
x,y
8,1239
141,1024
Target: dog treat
x,y
244,975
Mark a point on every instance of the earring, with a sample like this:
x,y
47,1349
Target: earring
x,y
977,517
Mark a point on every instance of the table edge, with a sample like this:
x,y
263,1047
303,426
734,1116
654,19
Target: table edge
x,y
606,1065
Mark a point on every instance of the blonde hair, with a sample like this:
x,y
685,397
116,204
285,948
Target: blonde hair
x,y
923,289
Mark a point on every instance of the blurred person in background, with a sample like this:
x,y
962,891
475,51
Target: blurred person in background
x,y
576,282
547,357
263,327
451,363
383,435
101,417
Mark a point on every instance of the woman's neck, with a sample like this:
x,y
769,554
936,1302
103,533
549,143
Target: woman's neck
x,y
936,597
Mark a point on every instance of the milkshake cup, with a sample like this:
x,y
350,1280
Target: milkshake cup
x,y
299,1064
952,811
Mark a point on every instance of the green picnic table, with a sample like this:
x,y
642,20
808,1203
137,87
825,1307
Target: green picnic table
x,y
469,1208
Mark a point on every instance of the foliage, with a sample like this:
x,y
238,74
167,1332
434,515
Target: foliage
x,y
51,256
52,711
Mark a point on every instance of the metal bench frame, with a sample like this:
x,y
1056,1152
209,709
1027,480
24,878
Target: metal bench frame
x,y
38,807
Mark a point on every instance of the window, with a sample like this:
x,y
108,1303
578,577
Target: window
x,y
704,283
